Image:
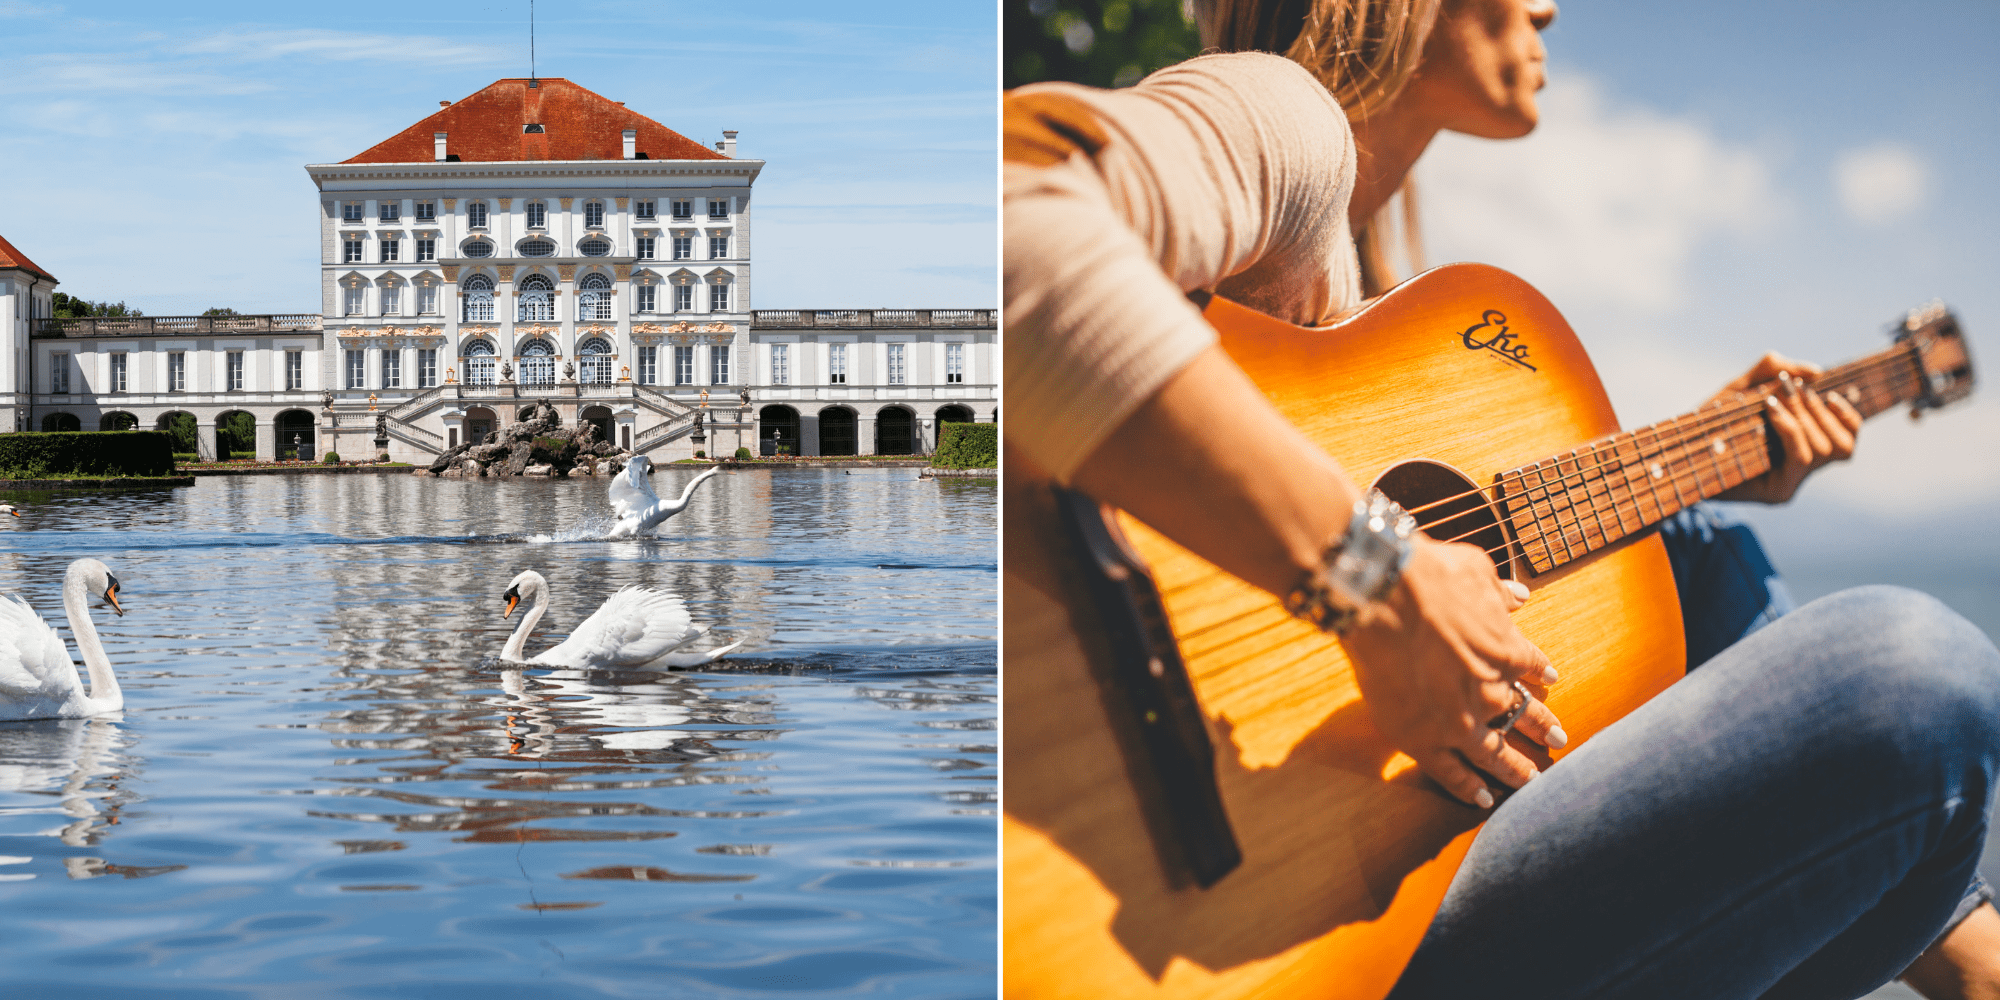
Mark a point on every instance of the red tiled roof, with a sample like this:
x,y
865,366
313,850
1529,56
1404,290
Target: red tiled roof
x,y
10,257
580,125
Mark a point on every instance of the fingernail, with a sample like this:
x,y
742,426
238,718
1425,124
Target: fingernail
x,y
1549,676
1517,588
1557,738
1483,799
1532,775
1771,401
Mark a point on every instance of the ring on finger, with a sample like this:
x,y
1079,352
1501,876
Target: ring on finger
x,y
1505,720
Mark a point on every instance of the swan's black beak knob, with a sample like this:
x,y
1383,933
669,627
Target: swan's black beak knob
x,y
111,594
513,596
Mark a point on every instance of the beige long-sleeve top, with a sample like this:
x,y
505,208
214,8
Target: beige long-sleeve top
x,y
1229,173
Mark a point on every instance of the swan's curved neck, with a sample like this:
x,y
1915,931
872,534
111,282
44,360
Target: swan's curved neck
x,y
680,504
76,604
518,642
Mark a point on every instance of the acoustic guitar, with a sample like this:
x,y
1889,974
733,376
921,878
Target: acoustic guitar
x,y
1196,803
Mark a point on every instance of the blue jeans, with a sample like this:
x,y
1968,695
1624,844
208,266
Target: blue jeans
x,y
1798,818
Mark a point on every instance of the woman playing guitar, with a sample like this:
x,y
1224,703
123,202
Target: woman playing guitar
x,y
1802,816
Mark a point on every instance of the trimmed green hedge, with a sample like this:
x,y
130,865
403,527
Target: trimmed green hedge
x,y
968,446
57,454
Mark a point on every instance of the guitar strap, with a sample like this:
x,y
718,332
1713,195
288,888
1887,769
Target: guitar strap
x,y
1151,703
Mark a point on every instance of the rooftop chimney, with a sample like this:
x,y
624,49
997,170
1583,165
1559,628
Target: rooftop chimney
x,y
631,141
444,104
729,143
437,146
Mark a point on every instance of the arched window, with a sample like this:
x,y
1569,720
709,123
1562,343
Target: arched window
x,y
538,363
478,299
478,356
594,248
537,301
596,357
479,248
595,300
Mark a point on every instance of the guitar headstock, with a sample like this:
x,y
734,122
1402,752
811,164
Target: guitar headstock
x,y
1944,363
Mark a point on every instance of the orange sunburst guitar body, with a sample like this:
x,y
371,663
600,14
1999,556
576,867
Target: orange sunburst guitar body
x,y
1345,848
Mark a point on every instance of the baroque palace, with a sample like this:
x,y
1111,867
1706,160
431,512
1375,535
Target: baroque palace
x,y
532,242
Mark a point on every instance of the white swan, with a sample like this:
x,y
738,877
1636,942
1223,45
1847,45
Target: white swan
x,y
37,679
8,508
637,627
639,509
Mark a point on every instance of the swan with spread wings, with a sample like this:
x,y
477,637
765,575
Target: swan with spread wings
x,y
639,509
637,627
37,678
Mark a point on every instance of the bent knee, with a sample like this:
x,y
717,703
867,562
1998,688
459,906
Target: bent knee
x,y
1908,654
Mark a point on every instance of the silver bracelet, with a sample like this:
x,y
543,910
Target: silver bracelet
x,y
1359,568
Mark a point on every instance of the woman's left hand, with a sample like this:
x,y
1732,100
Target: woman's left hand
x,y
1814,429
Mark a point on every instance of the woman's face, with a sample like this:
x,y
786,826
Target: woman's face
x,y
1482,65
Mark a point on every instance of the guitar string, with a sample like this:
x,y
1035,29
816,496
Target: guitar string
x,y
1724,412
1860,372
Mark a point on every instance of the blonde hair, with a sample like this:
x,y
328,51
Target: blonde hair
x,y
1363,52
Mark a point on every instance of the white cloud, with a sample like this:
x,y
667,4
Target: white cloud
x,y
1880,183
76,74
1602,205
344,46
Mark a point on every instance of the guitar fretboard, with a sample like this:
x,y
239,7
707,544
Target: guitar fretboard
x,y
1566,507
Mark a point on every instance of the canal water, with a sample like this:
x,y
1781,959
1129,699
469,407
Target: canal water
x,y
325,785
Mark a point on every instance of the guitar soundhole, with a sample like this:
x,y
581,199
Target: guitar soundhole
x,y
1460,514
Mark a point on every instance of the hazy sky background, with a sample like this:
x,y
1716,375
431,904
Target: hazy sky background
x,y
155,151
1714,180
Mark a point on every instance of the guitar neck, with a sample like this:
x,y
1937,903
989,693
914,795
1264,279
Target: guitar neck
x,y
1566,507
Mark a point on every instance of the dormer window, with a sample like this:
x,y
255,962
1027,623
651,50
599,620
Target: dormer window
x,y
532,129
538,215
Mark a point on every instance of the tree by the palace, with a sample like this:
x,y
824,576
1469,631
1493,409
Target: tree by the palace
x,y
73,307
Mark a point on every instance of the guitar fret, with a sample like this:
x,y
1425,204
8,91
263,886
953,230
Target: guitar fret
x,y
1590,494
1542,480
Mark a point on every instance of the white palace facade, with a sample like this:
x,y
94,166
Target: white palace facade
x,y
533,242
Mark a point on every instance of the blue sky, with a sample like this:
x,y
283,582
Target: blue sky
x,y
154,151
1714,180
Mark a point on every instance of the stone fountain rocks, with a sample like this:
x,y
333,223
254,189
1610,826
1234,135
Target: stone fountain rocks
x,y
537,446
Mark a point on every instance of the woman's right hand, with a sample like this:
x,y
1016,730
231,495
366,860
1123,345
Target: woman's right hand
x,y
1435,662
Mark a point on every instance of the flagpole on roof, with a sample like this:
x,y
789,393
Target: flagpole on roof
x,y
531,44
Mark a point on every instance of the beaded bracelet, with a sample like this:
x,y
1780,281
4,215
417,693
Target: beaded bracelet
x,y
1359,568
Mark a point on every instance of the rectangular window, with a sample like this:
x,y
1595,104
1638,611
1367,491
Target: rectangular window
x,y
683,365
718,365
836,364
357,369
718,297
718,247
232,370
649,298
392,300
896,365
427,211
350,211
683,209
954,362
427,368
683,297
389,211
356,301
392,369
718,208
646,248
475,214
177,371
644,208
118,373
593,215
350,252
538,215
781,364
392,249
649,362
427,300
59,372
427,251
683,248
295,370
